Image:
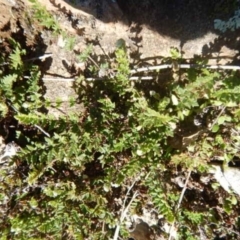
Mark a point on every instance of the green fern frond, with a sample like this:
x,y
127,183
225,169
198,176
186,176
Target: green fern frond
x,y
44,17
31,118
7,83
3,109
15,58
228,94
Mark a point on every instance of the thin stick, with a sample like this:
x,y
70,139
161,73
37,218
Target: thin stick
x,y
43,131
148,69
106,54
166,66
43,57
179,202
131,78
124,212
151,68
184,190
59,79
123,215
141,78
217,117
90,58
129,189
223,67
184,66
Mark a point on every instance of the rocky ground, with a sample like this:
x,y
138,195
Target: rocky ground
x,y
149,28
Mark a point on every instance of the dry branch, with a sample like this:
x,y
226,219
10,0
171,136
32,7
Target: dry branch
x,y
179,202
149,69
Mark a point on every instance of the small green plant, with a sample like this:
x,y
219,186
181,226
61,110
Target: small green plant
x,y
70,43
44,17
85,54
24,95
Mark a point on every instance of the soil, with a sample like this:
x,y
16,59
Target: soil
x,y
150,28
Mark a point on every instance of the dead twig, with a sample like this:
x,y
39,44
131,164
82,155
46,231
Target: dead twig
x,y
151,68
217,117
93,61
147,69
179,202
131,78
124,212
59,79
43,131
184,66
183,190
43,57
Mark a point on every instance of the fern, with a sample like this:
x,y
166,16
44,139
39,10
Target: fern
x,y
3,109
70,180
227,95
32,118
44,17
159,197
194,217
152,118
7,84
15,58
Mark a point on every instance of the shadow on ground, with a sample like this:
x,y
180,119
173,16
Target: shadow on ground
x,y
183,20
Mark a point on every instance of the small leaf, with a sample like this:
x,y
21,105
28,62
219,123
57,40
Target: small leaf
x,y
215,186
215,128
139,128
106,187
234,200
227,206
223,119
175,54
139,152
174,100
